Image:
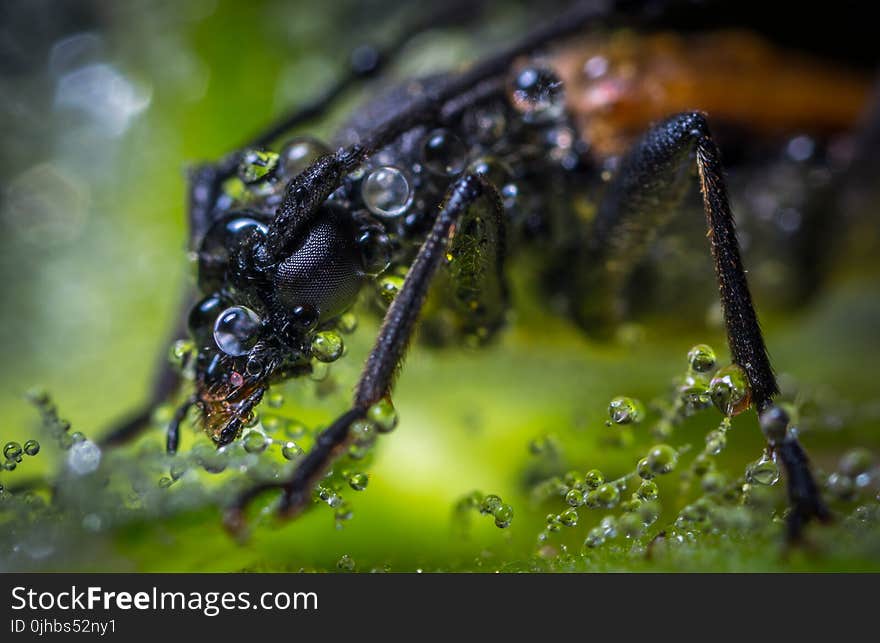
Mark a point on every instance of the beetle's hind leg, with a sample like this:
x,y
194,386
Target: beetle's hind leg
x,y
648,187
450,232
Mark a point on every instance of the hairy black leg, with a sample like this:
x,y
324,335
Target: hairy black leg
x,y
383,363
649,186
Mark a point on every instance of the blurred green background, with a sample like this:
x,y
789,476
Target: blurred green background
x,y
102,106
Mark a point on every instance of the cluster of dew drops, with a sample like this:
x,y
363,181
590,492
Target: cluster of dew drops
x,y
83,455
269,432
725,503
270,448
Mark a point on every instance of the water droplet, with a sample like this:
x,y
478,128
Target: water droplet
x,y
443,153
383,415
763,471
661,459
841,486
490,504
701,358
716,441
299,153
84,457
503,516
800,148
594,478
236,330
255,442
572,479
730,390
649,512
608,495
346,563
774,423
12,451
694,391
256,165
702,464
363,432
553,524
630,525
31,447
178,469
387,191
538,94
358,481
574,498
853,463
179,352
327,346
389,286
625,410
291,451
92,522
274,400
648,490
376,249
713,482
498,173
347,323
595,538
608,525
643,468
569,517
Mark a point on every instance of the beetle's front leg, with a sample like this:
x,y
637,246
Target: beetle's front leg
x,y
383,363
648,188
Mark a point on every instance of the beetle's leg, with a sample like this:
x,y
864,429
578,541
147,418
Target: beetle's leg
x,y
364,62
312,187
648,187
172,436
383,363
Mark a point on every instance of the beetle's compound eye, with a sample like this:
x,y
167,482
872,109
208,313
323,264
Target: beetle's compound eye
x,y
236,330
537,93
218,244
322,277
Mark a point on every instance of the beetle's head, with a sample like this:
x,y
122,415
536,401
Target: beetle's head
x,y
237,356
257,323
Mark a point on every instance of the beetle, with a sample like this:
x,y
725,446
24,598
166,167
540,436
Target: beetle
x,y
427,175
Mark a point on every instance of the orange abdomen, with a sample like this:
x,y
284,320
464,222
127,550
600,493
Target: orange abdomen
x,y
617,84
